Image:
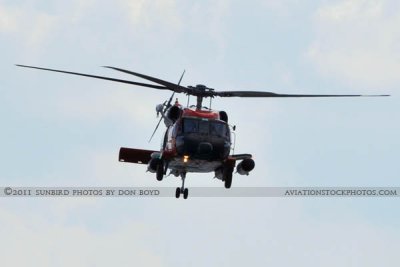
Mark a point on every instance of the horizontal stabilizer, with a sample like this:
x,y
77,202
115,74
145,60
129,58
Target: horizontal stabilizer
x,y
133,155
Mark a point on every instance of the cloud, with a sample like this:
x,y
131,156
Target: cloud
x,y
356,42
149,14
98,105
81,7
8,19
121,232
45,243
36,25
43,26
27,26
170,22
283,7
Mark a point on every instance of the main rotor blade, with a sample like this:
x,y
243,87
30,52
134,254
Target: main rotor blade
x,y
166,107
172,96
155,130
270,94
183,73
98,77
172,86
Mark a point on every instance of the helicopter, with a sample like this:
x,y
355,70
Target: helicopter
x,y
197,139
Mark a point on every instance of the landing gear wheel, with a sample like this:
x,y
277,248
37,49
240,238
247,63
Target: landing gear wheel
x,y
185,193
160,170
182,189
227,174
178,192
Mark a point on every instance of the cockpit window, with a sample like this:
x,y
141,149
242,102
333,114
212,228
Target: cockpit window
x,y
217,129
190,126
203,127
213,128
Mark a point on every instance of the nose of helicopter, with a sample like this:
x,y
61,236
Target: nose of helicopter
x,y
204,148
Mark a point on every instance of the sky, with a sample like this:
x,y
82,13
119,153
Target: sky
x,y
60,130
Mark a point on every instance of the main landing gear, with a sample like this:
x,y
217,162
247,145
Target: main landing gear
x,y
227,176
160,169
182,190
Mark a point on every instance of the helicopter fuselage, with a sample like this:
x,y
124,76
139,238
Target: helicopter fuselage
x,y
197,141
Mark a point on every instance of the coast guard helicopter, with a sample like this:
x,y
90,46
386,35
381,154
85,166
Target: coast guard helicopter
x,y
197,138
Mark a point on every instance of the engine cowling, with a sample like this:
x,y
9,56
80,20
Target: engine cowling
x,y
174,113
223,116
246,166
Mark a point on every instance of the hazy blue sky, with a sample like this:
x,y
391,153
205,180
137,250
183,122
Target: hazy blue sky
x,y
60,130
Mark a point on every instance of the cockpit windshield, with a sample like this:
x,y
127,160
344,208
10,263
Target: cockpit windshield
x,y
205,127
